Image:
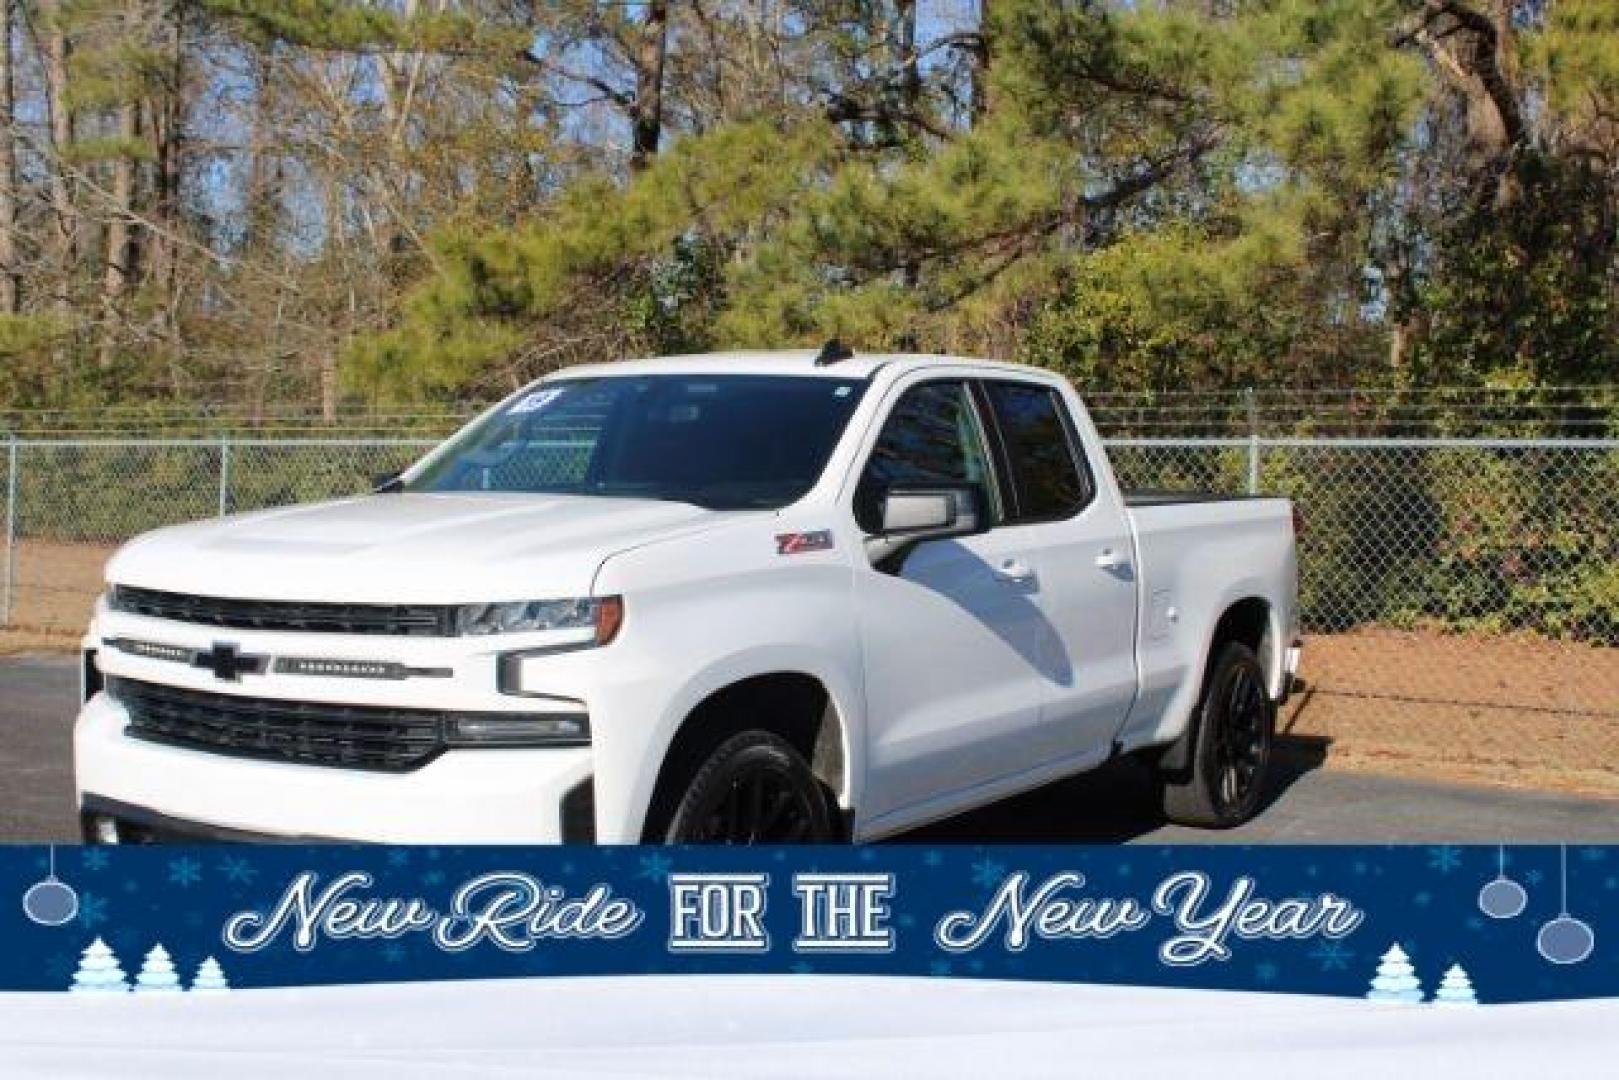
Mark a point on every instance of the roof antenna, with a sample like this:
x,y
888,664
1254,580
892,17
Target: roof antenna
x,y
832,352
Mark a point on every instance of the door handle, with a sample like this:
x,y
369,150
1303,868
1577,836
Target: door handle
x,y
1015,571
1110,560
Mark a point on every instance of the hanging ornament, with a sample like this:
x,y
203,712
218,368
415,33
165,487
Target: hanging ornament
x,y
1565,940
1502,898
50,902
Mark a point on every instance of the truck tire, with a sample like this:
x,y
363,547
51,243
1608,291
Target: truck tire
x,y
1235,725
753,789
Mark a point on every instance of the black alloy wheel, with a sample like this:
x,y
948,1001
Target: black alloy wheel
x,y
1235,722
753,789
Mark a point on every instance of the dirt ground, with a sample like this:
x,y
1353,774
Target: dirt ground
x,y
55,586
1517,712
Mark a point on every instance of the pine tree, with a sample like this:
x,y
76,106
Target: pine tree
x,y
157,973
99,972
1396,978
210,978
1456,988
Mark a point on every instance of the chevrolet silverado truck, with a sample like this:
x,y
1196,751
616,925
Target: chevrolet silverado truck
x,y
744,598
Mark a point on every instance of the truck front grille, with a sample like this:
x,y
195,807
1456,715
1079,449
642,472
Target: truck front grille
x,y
348,736
407,620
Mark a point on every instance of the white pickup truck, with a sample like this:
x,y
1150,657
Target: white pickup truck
x,y
728,599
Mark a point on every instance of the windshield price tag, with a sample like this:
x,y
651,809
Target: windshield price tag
x,y
536,401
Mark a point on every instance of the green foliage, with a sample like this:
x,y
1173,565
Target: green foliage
x,y
325,24
628,263
1526,298
1145,196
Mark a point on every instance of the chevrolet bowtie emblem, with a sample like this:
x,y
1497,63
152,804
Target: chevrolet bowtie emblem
x,y
228,664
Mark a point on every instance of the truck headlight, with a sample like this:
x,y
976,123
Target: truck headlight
x,y
565,624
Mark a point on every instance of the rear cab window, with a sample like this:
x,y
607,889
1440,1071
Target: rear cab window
x,y
1048,479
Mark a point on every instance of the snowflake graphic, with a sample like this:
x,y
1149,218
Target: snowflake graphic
x,y
1591,854
932,858
433,878
1533,877
1332,956
92,910
237,870
802,967
655,866
988,873
1266,972
393,952
398,857
1444,858
939,968
185,871
1422,899
94,858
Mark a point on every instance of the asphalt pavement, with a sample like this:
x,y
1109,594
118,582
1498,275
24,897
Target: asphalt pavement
x,y
1310,802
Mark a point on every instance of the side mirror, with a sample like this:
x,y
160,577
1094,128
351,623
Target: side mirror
x,y
387,483
912,514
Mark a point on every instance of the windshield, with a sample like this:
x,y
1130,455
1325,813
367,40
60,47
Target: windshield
x,y
720,441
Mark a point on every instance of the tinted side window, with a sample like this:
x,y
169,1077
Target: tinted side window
x,y
931,437
1046,479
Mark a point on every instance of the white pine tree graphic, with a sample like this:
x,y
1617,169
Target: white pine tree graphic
x,y
210,978
157,974
99,972
1396,978
1455,988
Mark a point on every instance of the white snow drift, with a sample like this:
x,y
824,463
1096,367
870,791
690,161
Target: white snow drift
x,y
787,1026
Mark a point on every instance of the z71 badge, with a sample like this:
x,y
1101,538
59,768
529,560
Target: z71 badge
x,y
797,543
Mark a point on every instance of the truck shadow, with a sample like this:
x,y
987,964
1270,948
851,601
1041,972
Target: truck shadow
x,y
1108,805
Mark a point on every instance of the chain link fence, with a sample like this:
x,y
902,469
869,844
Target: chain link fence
x,y
1459,596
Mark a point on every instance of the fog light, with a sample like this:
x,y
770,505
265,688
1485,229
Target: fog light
x,y
520,730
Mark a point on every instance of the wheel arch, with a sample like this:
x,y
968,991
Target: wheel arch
x,y
800,706
1250,620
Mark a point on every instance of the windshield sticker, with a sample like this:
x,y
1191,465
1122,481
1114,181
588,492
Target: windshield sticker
x,y
536,401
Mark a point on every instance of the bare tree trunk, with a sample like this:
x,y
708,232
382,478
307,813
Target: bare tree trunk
x,y
54,58
165,114
646,114
1472,46
910,102
119,268
980,68
10,279
910,71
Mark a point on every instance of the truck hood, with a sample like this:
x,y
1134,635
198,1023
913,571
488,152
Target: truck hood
x,y
406,548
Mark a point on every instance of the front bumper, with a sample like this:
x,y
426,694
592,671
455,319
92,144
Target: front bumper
x,y
493,796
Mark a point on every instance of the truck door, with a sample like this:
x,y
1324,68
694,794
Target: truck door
x,y
1080,545
958,647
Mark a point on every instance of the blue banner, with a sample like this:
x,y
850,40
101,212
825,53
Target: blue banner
x,y
1402,923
